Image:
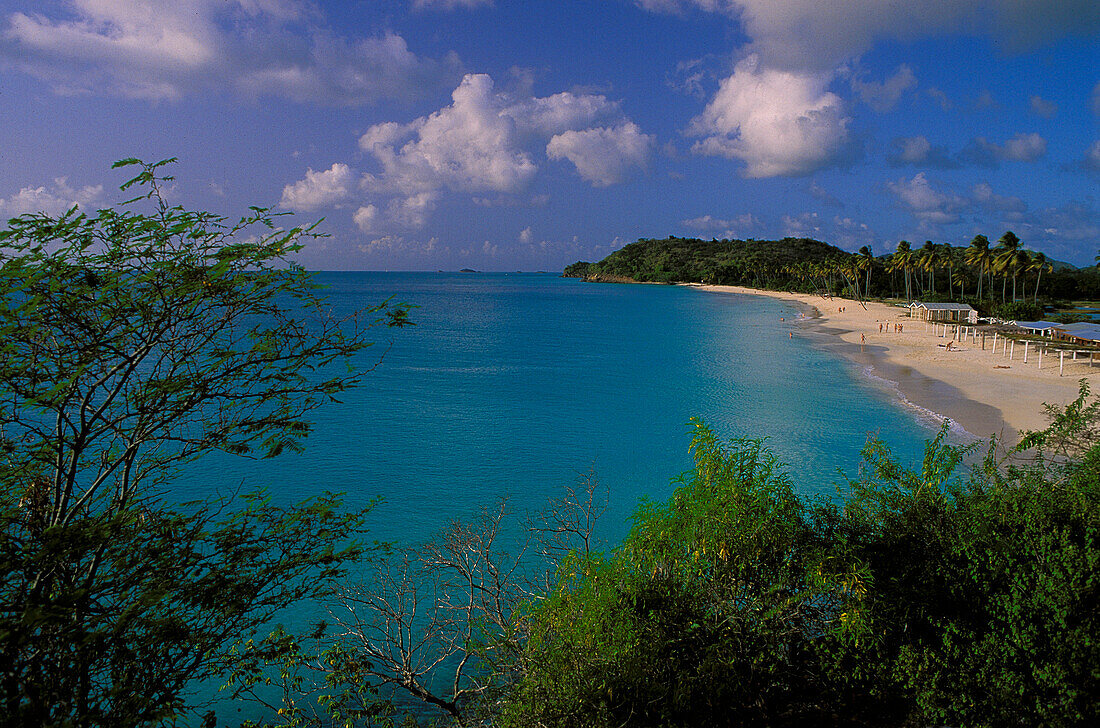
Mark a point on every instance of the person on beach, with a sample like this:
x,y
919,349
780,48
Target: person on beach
x,y
880,328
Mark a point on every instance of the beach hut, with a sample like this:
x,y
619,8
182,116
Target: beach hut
x,y
1039,328
1085,333
944,312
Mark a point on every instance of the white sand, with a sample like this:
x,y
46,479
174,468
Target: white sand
x,y
985,393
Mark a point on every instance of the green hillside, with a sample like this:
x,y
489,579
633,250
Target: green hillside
x,y
684,260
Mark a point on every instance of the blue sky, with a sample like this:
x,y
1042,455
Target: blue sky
x,y
501,135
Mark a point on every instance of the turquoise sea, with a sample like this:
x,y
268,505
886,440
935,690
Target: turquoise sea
x,y
510,385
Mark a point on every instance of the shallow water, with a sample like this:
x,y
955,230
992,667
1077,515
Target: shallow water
x,y
510,385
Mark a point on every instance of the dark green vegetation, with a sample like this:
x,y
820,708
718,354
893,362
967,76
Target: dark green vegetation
x,y
983,274
945,594
688,260
925,597
132,342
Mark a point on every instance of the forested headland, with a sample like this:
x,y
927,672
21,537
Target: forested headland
x,y
961,590
983,273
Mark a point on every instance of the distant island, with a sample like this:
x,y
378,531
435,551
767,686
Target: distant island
x,y
467,270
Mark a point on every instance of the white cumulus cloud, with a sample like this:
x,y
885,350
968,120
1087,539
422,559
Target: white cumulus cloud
x,y
560,112
470,145
1042,107
366,218
52,200
925,202
158,50
735,227
777,122
318,189
811,34
1092,157
1024,148
1020,148
602,155
487,142
885,95
448,4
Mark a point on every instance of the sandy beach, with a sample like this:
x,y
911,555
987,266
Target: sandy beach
x,y
984,393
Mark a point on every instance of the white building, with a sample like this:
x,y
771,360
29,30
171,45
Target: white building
x,y
944,312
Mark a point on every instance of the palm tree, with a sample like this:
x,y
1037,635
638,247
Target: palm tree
x,y
961,276
978,256
927,260
866,262
902,260
1006,260
850,267
1039,263
1021,263
949,259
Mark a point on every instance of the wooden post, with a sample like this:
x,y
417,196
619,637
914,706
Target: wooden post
x,y
1012,351
1061,360
1041,358
983,342
994,342
1025,351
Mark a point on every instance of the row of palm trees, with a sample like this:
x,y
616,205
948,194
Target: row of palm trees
x,y
978,262
924,270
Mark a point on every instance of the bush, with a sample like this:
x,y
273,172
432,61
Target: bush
x,y
928,596
1018,311
1070,318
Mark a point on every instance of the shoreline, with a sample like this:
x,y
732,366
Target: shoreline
x,y
985,394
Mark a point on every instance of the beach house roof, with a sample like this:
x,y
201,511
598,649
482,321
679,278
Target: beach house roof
x,y
1037,325
945,306
1084,330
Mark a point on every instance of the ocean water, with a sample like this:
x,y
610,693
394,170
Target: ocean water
x,y
511,385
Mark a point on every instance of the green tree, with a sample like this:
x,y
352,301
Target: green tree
x,y
938,594
1007,260
706,615
949,260
928,259
1040,264
134,342
978,256
866,263
983,606
902,259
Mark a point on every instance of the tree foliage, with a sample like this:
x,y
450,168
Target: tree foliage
x,y
688,260
134,340
943,594
932,272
